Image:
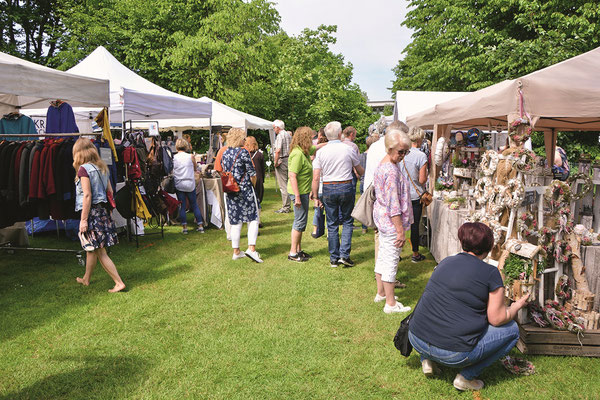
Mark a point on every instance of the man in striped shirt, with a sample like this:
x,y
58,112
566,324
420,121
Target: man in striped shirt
x,y
281,153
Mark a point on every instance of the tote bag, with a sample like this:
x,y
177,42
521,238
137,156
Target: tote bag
x,y
363,210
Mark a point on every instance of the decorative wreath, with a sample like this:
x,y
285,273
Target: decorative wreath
x,y
513,193
483,189
513,130
563,288
518,366
527,225
587,185
526,160
562,251
489,162
491,221
558,194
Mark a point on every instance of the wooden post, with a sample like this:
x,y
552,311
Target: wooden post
x,y
550,144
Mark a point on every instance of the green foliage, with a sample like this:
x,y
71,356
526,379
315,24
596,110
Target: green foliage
x,y
388,110
466,45
515,265
574,144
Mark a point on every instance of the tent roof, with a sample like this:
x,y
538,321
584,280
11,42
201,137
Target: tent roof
x,y
409,102
141,99
564,96
221,115
24,84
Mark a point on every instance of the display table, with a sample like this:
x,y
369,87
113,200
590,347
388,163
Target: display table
x,y
444,229
444,242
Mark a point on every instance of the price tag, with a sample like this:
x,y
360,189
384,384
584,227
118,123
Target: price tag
x,y
106,155
530,198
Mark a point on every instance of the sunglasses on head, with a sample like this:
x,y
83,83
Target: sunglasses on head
x,y
402,152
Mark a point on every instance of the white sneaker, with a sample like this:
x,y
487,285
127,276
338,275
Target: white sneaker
x,y
396,308
379,298
238,256
461,383
429,368
254,256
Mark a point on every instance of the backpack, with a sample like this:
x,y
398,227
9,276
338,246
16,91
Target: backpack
x,y
130,158
167,159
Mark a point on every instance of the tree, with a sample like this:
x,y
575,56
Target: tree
x,y
467,45
30,29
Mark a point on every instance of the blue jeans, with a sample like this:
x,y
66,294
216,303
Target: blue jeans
x,y
191,197
494,344
338,201
300,213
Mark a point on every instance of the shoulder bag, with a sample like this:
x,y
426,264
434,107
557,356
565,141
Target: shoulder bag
x,y
426,197
401,341
229,183
363,210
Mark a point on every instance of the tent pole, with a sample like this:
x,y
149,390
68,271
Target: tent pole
x,y
123,122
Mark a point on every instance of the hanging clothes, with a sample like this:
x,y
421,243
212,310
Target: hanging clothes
x,y
17,124
104,123
60,118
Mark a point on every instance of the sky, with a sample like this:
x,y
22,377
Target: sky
x,y
369,35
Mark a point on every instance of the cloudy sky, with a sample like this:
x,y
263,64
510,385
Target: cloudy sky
x,y
369,35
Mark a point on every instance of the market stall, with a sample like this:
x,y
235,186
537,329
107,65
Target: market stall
x,y
42,189
541,249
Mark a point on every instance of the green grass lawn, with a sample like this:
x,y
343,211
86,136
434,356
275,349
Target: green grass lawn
x,y
195,324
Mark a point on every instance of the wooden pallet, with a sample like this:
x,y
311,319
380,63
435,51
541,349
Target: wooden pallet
x,y
536,340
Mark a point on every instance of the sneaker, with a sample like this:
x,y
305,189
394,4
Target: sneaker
x,y
429,368
286,210
200,229
238,256
346,262
305,255
254,256
334,263
461,383
418,258
297,257
396,308
399,285
185,231
379,298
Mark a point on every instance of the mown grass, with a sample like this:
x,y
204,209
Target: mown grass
x,y
195,324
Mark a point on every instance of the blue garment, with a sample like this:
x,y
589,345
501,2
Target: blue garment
x,y
98,182
242,205
191,197
20,125
562,172
338,201
452,313
61,119
300,213
496,342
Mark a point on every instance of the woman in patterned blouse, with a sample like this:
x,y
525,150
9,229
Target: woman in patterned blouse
x,y
392,213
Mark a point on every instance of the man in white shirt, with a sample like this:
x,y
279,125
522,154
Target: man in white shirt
x,y
335,162
281,154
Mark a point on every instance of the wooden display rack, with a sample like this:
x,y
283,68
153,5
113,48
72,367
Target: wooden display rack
x,y
536,340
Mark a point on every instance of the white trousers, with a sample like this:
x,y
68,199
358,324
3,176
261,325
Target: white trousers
x,y
236,232
387,257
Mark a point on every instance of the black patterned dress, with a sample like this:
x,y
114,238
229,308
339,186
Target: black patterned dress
x,y
241,206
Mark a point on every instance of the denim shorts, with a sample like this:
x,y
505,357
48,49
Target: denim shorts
x,y
300,213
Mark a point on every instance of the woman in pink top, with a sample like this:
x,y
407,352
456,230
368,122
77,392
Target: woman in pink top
x,y
392,213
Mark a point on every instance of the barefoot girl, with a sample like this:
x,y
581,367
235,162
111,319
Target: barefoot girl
x,y
92,186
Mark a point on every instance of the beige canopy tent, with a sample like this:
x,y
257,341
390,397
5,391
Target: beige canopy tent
x,y
564,96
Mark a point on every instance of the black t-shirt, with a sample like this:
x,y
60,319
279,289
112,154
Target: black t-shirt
x,y
452,313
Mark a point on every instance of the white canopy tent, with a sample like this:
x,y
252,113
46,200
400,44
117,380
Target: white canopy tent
x,y
135,98
26,85
409,102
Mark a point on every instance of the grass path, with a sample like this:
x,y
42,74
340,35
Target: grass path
x,y
195,324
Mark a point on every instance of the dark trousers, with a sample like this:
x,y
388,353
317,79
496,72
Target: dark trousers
x,y
414,228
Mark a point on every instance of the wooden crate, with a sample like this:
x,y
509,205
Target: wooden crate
x,y
536,340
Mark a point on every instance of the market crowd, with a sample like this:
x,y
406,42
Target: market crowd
x,y
460,321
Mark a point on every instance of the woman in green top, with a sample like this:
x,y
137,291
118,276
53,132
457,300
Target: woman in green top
x,y
299,186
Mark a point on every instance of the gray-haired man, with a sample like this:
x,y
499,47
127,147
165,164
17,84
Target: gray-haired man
x,y
280,155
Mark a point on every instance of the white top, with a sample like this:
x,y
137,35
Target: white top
x,y
336,160
413,162
375,154
183,172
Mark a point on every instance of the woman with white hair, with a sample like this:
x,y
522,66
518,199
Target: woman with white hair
x,y
392,214
414,169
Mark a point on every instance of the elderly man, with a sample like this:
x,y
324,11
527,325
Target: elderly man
x,y
334,162
281,153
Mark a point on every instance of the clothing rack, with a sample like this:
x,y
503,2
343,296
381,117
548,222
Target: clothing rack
x,y
7,246
50,134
